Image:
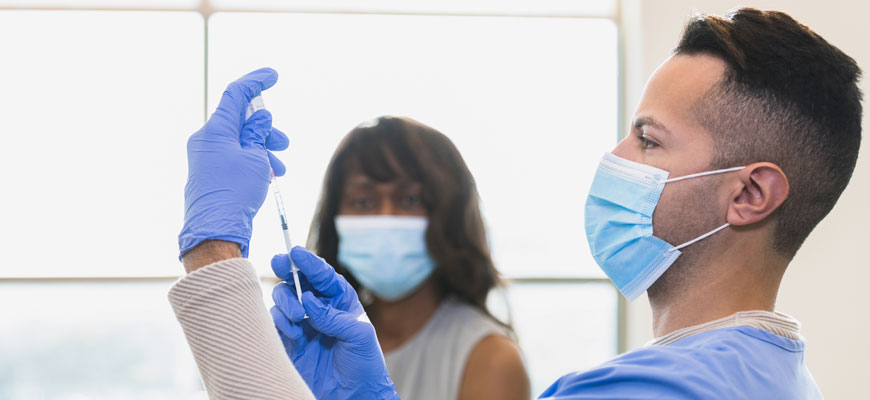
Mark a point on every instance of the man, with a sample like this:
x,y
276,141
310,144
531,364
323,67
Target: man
x,y
742,142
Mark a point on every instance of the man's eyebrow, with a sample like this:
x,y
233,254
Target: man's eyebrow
x,y
640,122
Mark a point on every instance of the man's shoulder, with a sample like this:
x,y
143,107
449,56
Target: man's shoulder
x,y
645,373
713,364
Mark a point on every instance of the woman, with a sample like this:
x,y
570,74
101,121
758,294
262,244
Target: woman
x,y
399,218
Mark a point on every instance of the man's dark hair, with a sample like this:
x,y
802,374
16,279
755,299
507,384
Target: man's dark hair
x,y
787,97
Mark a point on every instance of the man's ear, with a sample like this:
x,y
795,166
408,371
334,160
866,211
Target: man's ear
x,y
762,189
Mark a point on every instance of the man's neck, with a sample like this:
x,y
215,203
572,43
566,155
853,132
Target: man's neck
x,y
728,286
396,322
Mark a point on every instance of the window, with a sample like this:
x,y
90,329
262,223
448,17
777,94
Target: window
x,y
97,339
97,106
104,103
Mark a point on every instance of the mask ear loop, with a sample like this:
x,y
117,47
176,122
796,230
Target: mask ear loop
x,y
704,236
718,171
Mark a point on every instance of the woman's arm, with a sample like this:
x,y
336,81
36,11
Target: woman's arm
x,y
495,370
232,337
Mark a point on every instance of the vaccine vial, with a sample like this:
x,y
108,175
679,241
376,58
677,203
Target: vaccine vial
x,y
255,105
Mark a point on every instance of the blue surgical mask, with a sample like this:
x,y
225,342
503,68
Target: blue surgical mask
x,y
619,228
386,254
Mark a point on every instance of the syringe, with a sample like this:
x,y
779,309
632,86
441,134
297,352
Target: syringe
x,y
279,201
255,105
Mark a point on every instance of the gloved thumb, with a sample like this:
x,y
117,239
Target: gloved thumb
x,y
328,320
277,166
256,129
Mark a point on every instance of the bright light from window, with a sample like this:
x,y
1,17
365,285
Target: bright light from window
x,y
530,102
564,327
594,8
112,341
151,4
97,108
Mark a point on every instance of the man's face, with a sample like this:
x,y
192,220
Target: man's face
x,y
666,135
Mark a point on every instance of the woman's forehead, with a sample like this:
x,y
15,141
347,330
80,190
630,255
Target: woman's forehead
x,y
358,178
381,166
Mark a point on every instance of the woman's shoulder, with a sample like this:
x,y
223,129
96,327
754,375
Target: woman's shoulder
x,y
493,365
460,317
495,369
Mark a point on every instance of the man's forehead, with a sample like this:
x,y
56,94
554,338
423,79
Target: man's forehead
x,y
676,86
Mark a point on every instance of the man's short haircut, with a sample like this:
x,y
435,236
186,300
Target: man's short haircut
x,y
787,97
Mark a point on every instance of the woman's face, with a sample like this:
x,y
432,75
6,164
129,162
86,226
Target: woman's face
x,y
364,196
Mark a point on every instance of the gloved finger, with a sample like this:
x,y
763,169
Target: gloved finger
x,y
256,129
285,299
277,166
289,344
281,267
277,140
291,334
328,320
321,275
326,281
240,92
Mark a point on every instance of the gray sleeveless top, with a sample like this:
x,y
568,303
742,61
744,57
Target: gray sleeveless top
x,y
429,366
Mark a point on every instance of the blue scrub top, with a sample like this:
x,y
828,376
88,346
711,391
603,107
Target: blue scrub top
x,y
729,363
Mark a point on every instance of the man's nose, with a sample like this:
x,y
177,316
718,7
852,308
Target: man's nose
x,y
627,149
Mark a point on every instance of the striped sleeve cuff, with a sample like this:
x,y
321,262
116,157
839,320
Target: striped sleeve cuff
x,y
234,342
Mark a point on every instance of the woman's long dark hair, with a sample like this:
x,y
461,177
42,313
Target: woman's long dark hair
x,y
455,237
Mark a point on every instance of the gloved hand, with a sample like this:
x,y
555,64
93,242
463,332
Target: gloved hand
x,y
337,354
228,166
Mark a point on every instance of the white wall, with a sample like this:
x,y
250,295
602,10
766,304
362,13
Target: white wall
x,y
826,286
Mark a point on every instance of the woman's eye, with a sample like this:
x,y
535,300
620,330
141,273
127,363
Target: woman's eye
x,y
362,203
410,201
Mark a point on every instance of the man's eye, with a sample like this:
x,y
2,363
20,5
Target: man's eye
x,y
646,143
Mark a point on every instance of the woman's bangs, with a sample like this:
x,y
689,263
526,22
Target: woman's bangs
x,y
384,158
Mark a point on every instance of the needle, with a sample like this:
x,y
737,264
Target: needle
x,y
279,201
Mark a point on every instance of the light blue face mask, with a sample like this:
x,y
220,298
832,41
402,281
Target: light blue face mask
x,y
386,254
619,227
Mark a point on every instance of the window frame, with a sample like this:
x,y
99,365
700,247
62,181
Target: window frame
x,y
206,9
